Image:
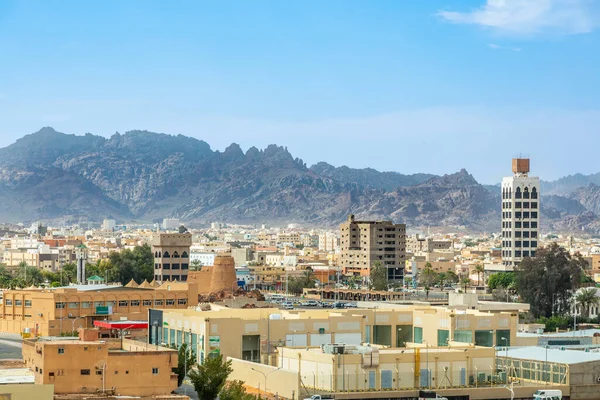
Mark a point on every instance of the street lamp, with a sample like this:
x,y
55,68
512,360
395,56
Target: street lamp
x,y
546,364
265,375
73,323
427,358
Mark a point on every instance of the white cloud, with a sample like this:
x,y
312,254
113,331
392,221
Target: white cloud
x,y
531,17
499,47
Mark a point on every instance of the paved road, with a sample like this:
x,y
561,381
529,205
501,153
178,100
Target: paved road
x,y
190,391
10,347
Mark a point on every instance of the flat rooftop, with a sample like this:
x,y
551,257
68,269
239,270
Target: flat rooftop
x,y
16,375
553,355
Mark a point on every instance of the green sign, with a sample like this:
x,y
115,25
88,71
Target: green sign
x,y
102,310
214,342
321,330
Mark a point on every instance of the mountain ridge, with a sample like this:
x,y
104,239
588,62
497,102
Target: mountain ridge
x,y
141,175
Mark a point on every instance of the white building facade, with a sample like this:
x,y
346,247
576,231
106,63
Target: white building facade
x,y
520,214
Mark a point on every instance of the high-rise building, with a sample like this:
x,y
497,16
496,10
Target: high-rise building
x,y
109,224
520,213
171,256
363,243
170,224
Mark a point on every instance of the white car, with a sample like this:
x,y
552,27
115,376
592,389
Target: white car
x,y
287,305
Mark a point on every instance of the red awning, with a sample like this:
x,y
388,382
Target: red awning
x,y
121,324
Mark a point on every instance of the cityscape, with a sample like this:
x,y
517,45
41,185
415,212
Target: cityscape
x,y
350,200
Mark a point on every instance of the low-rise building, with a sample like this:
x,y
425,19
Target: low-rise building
x,y
51,311
119,367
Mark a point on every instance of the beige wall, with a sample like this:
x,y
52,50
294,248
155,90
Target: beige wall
x,y
27,392
284,383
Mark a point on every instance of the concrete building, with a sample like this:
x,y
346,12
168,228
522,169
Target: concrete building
x,y
520,213
205,258
171,256
242,256
43,312
363,243
117,367
253,334
109,224
171,224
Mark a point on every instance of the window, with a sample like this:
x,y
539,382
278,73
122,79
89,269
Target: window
x,y
166,255
61,304
518,234
533,234
170,302
526,253
534,214
526,225
135,303
518,214
85,304
533,244
98,303
84,372
98,372
61,350
526,243
526,214
526,234
158,302
51,374
182,302
534,205
185,266
525,205
517,243
518,193
147,303
73,304
518,204
27,303
166,266
175,266
126,372
8,302
534,194
517,253
518,224
123,303
154,371
534,224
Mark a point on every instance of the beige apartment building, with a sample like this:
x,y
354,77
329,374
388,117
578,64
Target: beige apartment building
x,y
117,367
43,312
253,334
363,243
171,256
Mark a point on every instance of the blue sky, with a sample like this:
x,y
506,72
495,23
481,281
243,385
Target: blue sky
x,y
409,86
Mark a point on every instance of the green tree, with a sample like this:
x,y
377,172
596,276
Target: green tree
x,y
28,275
428,278
442,278
136,264
479,270
183,229
465,283
6,278
586,298
185,361
378,276
451,277
235,390
195,265
501,280
209,378
69,273
306,280
548,280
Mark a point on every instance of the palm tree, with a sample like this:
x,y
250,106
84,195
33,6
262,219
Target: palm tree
x,y
587,298
196,265
479,269
465,282
451,277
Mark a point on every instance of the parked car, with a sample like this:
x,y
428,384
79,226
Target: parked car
x,y
350,305
311,303
287,305
339,304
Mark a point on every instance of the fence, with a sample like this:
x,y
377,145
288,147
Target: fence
x,y
548,373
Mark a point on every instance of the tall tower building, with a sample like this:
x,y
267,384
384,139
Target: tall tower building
x,y
520,213
363,243
171,256
81,254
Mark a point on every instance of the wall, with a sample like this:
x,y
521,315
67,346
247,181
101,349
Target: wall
x,y
284,383
28,392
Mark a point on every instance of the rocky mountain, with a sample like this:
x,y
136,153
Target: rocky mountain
x,y
568,184
147,176
369,176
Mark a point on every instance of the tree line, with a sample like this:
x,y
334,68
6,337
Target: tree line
x,y
136,264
